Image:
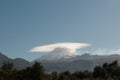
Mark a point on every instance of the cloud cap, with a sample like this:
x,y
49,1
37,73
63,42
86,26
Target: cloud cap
x,y
72,47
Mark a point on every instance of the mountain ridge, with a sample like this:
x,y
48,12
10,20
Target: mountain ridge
x,y
57,54
76,63
19,63
81,62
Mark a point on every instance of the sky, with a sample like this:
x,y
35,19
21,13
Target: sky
x,y
25,24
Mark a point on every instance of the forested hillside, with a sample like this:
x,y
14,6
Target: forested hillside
x,y
108,71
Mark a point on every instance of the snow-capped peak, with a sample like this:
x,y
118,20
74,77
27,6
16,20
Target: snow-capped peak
x,y
57,54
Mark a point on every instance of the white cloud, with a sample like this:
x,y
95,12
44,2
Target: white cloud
x,y
68,45
101,51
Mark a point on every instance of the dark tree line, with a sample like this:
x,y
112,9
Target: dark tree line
x,y
108,71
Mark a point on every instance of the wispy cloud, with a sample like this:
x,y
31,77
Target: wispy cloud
x,y
72,47
100,51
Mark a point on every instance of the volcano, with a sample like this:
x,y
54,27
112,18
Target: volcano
x,y
57,54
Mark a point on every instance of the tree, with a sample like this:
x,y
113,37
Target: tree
x,y
7,71
54,75
37,71
64,75
7,66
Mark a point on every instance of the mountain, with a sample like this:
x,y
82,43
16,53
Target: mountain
x,y
57,54
77,63
64,60
18,62
3,59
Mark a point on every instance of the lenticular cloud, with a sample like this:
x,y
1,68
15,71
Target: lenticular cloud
x,y
71,47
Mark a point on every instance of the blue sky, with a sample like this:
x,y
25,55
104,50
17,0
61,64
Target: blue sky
x,y
28,23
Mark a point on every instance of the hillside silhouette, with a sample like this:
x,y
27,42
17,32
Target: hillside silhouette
x,y
108,71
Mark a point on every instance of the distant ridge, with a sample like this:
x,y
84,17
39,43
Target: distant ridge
x,y
73,63
19,63
76,63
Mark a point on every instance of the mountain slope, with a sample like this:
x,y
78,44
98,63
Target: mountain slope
x,y
72,63
61,59
77,63
4,58
18,62
57,54
21,63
